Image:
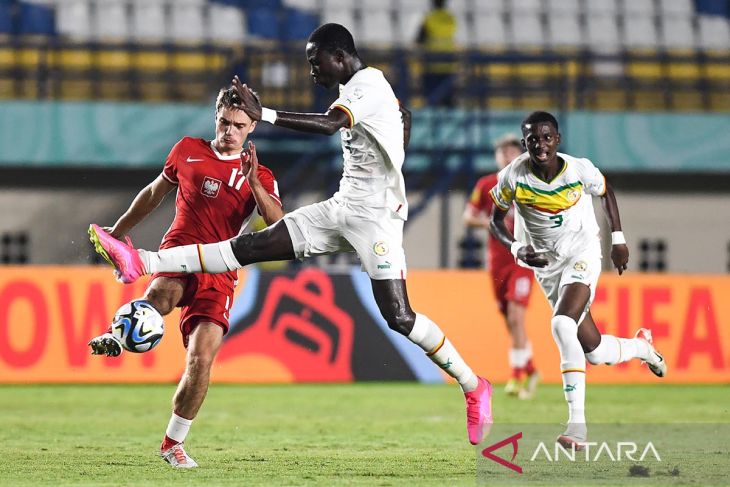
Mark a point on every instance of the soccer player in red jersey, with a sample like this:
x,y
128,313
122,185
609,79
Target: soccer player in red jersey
x,y
511,282
220,186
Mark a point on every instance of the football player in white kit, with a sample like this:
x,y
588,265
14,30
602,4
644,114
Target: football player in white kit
x,y
559,238
366,215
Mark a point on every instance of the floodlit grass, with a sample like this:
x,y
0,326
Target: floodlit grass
x,y
362,434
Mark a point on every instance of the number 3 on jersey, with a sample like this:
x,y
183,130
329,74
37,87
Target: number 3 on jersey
x,y
557,219
232,179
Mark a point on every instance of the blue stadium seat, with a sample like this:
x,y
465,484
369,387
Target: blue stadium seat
x,y
6,17
251,4
713,7
298,24
263,22
37,19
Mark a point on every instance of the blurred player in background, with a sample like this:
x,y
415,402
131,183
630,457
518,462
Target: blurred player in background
x,y
436,36
366,215
220,187
512,283
560,240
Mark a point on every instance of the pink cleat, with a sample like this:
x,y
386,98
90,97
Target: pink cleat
x,y
123,256
479,411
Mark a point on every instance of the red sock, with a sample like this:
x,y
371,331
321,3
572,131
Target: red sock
x,y
517,372
530,367
168,443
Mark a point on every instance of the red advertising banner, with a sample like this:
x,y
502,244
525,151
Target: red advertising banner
x,y
312,326
689,316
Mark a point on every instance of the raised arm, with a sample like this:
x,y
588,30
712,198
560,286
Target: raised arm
x,y
144,203
619,250
317,123
269,207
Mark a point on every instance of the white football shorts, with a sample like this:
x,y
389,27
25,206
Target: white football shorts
x,y
333,226
584,267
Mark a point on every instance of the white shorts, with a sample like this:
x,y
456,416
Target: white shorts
x,y
333,226
584,267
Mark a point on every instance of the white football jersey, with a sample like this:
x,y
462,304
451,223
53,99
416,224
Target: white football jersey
x,y
556,215
373,144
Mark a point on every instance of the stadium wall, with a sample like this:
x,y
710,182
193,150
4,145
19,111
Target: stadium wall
x,y
307,325
56,220
86,134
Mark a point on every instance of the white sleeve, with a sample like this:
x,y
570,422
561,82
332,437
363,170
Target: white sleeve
x,y
359,101
503,193
593,180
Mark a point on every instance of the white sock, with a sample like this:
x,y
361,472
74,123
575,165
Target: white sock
x,y
518,357
178,427
572,366
427,335
614,350
210,258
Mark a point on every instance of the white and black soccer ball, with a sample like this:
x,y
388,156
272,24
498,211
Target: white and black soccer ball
x,y
138,326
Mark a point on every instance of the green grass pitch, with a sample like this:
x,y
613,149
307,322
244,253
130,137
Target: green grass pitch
x,y
363,434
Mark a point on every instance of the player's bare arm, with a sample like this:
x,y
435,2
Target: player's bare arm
x,y
619,250
316,123
474,218
526,253
143,204
268,207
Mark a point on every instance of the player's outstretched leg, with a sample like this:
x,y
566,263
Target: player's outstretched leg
x,y
392,300
123,256
612,350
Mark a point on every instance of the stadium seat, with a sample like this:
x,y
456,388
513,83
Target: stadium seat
x,y
561,6
298,24
714,33
713,7
677,33
639,7
676,7
109,20
564,30
602,33
526,6
149,22
409,19
489,30
6,18
73,19
226,24
187,22
36,19
526,29
263,23
601,7
310,6
463,33
377,27
639,32
340,13
493,7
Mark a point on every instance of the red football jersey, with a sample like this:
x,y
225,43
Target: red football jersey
x,y
498,254
214,201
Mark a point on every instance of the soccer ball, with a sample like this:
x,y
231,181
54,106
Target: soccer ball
x,y
138,326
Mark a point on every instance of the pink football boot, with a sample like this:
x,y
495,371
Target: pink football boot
x,y
123,256
479,411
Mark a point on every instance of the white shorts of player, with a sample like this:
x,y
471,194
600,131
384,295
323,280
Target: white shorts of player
x,y
583,267
333,226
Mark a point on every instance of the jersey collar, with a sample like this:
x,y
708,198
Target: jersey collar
x,y
220,156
